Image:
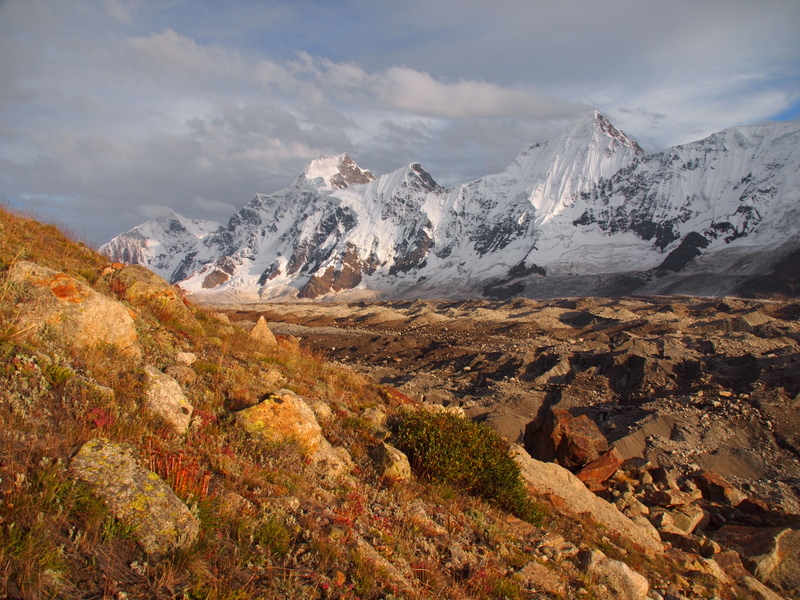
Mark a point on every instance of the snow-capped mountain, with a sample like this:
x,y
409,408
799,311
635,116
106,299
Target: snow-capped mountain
x,y
588,212
160,244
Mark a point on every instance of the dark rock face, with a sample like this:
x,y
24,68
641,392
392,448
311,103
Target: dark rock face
x,y
691,247
334,280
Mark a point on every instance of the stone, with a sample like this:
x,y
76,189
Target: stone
x,y
600,469
537,578
331,462
772,554
262,334
185,358
282,417
181,373
688,542
165,398
392,462
635,465
730,562
622,582
690,518
563,489
560,437
133,494
715,488
72,310
667,498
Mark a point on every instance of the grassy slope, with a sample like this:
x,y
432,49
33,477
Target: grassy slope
x,y
270,527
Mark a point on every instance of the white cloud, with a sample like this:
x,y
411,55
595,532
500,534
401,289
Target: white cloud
x,y
126,107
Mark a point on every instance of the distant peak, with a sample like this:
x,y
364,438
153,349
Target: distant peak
x,y
337,172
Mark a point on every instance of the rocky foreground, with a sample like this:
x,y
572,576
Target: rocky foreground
x,y
681,412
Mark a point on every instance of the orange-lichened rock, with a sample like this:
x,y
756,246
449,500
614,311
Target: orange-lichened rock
x,y
68,307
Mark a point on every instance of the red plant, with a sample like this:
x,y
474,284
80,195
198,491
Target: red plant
x,y
182,472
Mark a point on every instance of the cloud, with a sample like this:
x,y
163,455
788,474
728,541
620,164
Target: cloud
x,y
113,109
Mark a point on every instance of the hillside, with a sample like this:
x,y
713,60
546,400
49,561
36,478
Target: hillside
x,y
153,449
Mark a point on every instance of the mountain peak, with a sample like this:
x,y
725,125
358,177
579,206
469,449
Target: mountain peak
x,y
337,172
604,125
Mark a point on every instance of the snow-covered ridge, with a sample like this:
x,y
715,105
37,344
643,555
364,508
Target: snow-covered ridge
x,y
586,212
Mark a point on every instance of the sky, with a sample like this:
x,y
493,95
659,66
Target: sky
x,y
113,112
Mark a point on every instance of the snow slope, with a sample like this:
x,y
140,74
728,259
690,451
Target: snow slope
x,y
586,212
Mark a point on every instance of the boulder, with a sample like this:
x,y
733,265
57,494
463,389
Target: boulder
x,y
72,310
281,417
600,469
185,358
571,441
144,289
690,517
134,494
262,334
165,398
536,577
772,554
716,488
757,590
555,483
392,462
181,373
622,582
331,462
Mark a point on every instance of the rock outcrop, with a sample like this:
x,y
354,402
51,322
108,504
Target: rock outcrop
x,y
563,489
262,334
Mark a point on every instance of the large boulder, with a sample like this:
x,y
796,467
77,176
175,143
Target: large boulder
x,y
563,489
771,553
72,310
558,436
716,488
165,398
136,495
283,416
600,469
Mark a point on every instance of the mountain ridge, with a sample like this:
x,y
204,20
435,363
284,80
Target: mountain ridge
x,y
589,205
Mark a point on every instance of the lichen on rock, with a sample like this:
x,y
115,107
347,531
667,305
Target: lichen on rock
x,y
136,495
73,310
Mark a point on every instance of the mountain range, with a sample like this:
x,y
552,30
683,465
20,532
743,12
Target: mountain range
x,y
587,213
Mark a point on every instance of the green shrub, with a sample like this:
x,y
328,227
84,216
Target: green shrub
x,y
443,447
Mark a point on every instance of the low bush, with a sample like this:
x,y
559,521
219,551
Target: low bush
x,y
446,448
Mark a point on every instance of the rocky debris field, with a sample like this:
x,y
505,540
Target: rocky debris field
x,y
683,412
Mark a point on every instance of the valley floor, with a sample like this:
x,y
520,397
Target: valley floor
x,y
687,382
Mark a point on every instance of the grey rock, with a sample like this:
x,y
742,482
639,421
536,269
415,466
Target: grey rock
x,y
136,495
165,398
